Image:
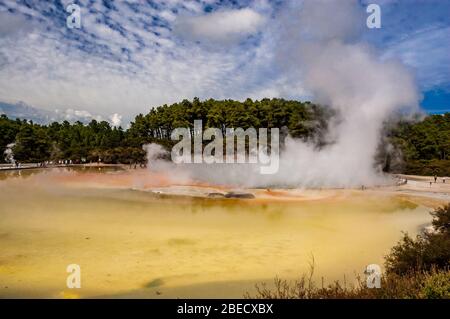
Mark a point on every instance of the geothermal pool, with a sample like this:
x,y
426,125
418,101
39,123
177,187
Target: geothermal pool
x,y
133,243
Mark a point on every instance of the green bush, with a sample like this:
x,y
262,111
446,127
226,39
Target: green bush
x,y
437,286
426,251
415,268
433,284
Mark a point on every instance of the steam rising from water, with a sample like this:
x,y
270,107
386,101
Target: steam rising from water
x,y
9,155
317,43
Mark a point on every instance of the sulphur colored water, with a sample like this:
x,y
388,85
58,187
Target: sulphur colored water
x,y
131,243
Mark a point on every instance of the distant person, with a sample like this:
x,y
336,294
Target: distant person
x,y
431,183
435,178
443,180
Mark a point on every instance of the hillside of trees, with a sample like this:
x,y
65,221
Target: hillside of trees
x,y
423,145
65,141
301,120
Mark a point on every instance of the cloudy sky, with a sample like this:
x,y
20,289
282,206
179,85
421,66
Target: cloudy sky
x,y
131,55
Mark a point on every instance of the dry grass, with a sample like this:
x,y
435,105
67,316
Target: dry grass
x,y
416,268
415,285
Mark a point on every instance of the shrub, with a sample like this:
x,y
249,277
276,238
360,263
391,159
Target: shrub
x,y
437,286
413,285
426,251
415,268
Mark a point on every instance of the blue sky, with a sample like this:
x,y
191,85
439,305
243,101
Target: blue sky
x,y
129,56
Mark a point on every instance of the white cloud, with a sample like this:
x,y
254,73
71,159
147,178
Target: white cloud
x,y
55,72
11,24
222,26
116,119
72,115
427,51
129,60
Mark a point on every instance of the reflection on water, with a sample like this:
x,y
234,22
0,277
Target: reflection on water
x,y
132,243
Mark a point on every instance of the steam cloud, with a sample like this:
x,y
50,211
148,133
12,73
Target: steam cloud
x,y
318,43
9,155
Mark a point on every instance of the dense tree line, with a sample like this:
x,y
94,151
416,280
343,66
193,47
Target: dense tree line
x,y
66,141
424,145
77,142
302,120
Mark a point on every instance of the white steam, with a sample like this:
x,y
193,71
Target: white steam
x,y
9,155
156,163
317,44
349,77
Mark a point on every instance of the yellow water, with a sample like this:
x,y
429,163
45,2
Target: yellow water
x,y
133,244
